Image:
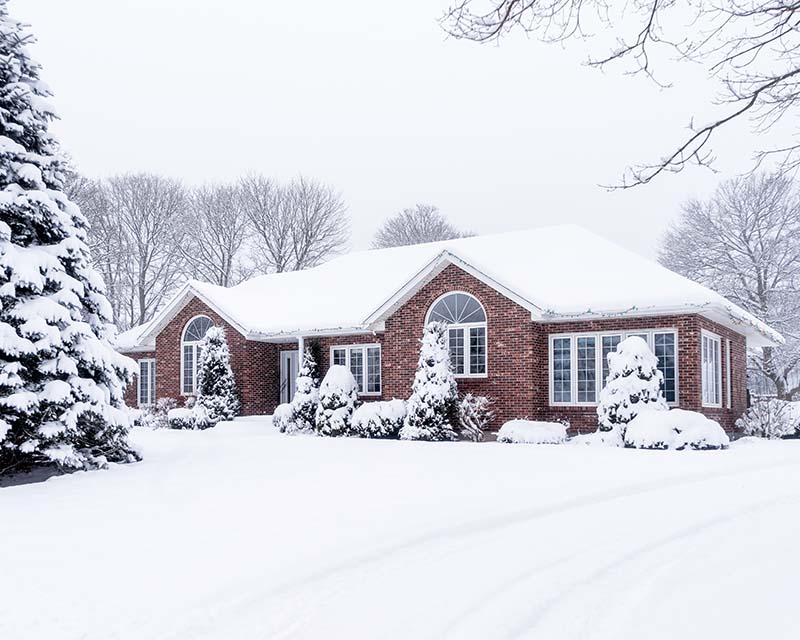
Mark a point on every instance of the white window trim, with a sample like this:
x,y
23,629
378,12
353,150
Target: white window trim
x,y
718,340
728,384
465,327
598,336
152,364
193,344
364,348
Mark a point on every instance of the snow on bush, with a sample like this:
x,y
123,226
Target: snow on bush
x,y
283,418
185,418
434,393
379,419
306,397
634,385
338,397
474,416
61,382
216,388
675,429
771,419
532,432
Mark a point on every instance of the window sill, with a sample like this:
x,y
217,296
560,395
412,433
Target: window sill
x,y
470,376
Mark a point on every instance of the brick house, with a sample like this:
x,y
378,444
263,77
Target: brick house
x,y
531,315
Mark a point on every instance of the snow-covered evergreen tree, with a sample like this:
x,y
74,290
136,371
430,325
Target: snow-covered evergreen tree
x,y
216,387
338,397
61,383
306,396
432,406
634,385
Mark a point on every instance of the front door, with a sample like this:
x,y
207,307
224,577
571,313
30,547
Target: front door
x,y
288,374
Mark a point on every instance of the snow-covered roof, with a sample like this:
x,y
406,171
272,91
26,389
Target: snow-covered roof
x,y
558,273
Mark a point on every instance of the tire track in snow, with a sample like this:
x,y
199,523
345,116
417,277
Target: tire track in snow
x,y
462,530
527,627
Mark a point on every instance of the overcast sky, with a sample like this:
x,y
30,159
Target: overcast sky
x,y
373,98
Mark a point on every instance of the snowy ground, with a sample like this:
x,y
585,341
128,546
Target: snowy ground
x,y
240,533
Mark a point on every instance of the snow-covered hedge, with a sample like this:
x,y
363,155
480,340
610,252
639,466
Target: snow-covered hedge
x,y
185,418
771,419
338,397
532,432
675,429
474,415
379,419
283,418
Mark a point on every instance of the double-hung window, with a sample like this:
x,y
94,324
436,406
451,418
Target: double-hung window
x,y
364,362
146,392
579,363
466,332
711,369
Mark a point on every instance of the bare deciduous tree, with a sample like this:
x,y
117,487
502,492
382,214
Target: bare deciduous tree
x,y
151,212
421,223
745,243
296,225
752,49
216,231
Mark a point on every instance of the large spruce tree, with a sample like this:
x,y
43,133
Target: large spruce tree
x,y
216,387
61,383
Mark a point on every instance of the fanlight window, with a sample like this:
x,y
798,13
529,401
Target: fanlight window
x,y
466,333
457,308
194,332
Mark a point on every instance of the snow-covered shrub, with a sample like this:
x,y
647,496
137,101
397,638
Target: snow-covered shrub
x,y
185,418
306,396
283,418
162,409
532,432
216,388
378,419
771,419
474,415
338,397
432,406
61,381
634,385
675,429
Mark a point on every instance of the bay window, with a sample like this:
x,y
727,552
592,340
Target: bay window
x,y
466,332
579,363
364,362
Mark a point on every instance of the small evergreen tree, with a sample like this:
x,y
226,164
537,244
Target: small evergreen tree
x,y
338,397
61,382
634,385
306,396
216,387
434,394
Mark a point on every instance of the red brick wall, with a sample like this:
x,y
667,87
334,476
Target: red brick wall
x,y
517,356
254,364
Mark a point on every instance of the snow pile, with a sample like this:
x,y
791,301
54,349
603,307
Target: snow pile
x,y
216,388
675,429
634,385
474,415
434,392
338,396
771,419
532,432
306,397
379,419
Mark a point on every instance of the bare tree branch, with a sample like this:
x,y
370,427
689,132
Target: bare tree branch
x,y
422,223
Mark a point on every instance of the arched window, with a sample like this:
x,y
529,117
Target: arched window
x,y
466,333
193,333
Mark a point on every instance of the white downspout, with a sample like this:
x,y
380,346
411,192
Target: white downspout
x,y
301,348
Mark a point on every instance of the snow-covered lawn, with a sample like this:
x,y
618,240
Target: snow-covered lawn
x,y
242,533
